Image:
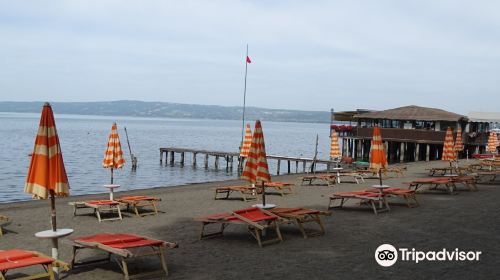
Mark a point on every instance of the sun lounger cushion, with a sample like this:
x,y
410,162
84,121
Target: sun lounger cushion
x,y
138,198
15,258
254,214
120,240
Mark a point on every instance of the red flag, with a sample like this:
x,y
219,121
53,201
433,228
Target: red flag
x,y
248,59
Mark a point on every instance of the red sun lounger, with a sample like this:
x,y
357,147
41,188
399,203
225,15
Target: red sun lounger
x,y
282,187
257,220
300,216
139,201
15,258
370,198
99,206
123,246
408,195
247,192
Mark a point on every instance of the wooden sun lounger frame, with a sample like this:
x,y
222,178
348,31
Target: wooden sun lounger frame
x,y
356,176
3,219
398,170
370,200
409,197
483,174
247,192
49,272
138,204
308,216
123,255
254,228
98,209
329,179
434,184
282,187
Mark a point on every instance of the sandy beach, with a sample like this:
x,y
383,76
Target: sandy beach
x,y
467,221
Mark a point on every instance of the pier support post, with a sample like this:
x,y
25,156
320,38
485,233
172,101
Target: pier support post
x,y
216,162
304,166
353,148
206,161
182,158
161,157
231,159
278,168
194,159
417,152
227,162
296,166
288,166
427,152
172,157
402,152
362,142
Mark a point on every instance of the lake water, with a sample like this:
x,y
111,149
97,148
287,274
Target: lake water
x,y
84,139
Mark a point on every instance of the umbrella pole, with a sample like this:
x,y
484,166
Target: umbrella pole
x,y
263,195
380,176
111,175
53,211
55,243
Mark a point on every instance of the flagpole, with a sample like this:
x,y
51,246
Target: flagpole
x,y
244,101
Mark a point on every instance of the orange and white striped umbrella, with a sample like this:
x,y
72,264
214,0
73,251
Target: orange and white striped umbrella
x,y
459,144
492,142
46,174
247,141
113,156
334,145
256,169
449,147
378,157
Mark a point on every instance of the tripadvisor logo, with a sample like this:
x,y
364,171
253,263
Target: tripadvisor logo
x,y
387,255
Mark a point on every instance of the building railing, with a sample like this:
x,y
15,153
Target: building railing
x,y
419,135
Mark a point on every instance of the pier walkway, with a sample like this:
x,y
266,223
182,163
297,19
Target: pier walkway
x,y
307,164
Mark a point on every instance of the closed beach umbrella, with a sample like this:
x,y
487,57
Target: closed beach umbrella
x,y
449,153
113,156
492,142
247,141
334,145
378,157
459,144
256,169
46,174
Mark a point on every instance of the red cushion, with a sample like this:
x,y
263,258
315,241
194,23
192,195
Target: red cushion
x,y
254,214
15,258
120,240
102,202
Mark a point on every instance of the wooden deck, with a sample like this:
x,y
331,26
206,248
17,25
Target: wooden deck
x,y
307,164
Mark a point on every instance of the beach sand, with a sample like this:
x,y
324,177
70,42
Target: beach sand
x,y
468,221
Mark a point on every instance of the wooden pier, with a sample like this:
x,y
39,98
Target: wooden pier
x,y
307,164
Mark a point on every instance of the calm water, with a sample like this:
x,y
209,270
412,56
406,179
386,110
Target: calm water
x,y
84,138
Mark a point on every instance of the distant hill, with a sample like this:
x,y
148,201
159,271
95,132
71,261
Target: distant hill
x,y
168,110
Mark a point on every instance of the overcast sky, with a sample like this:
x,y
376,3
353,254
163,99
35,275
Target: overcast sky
x,y
309,55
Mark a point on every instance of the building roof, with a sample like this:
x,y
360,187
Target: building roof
x,y
412,112
484,117
348,115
